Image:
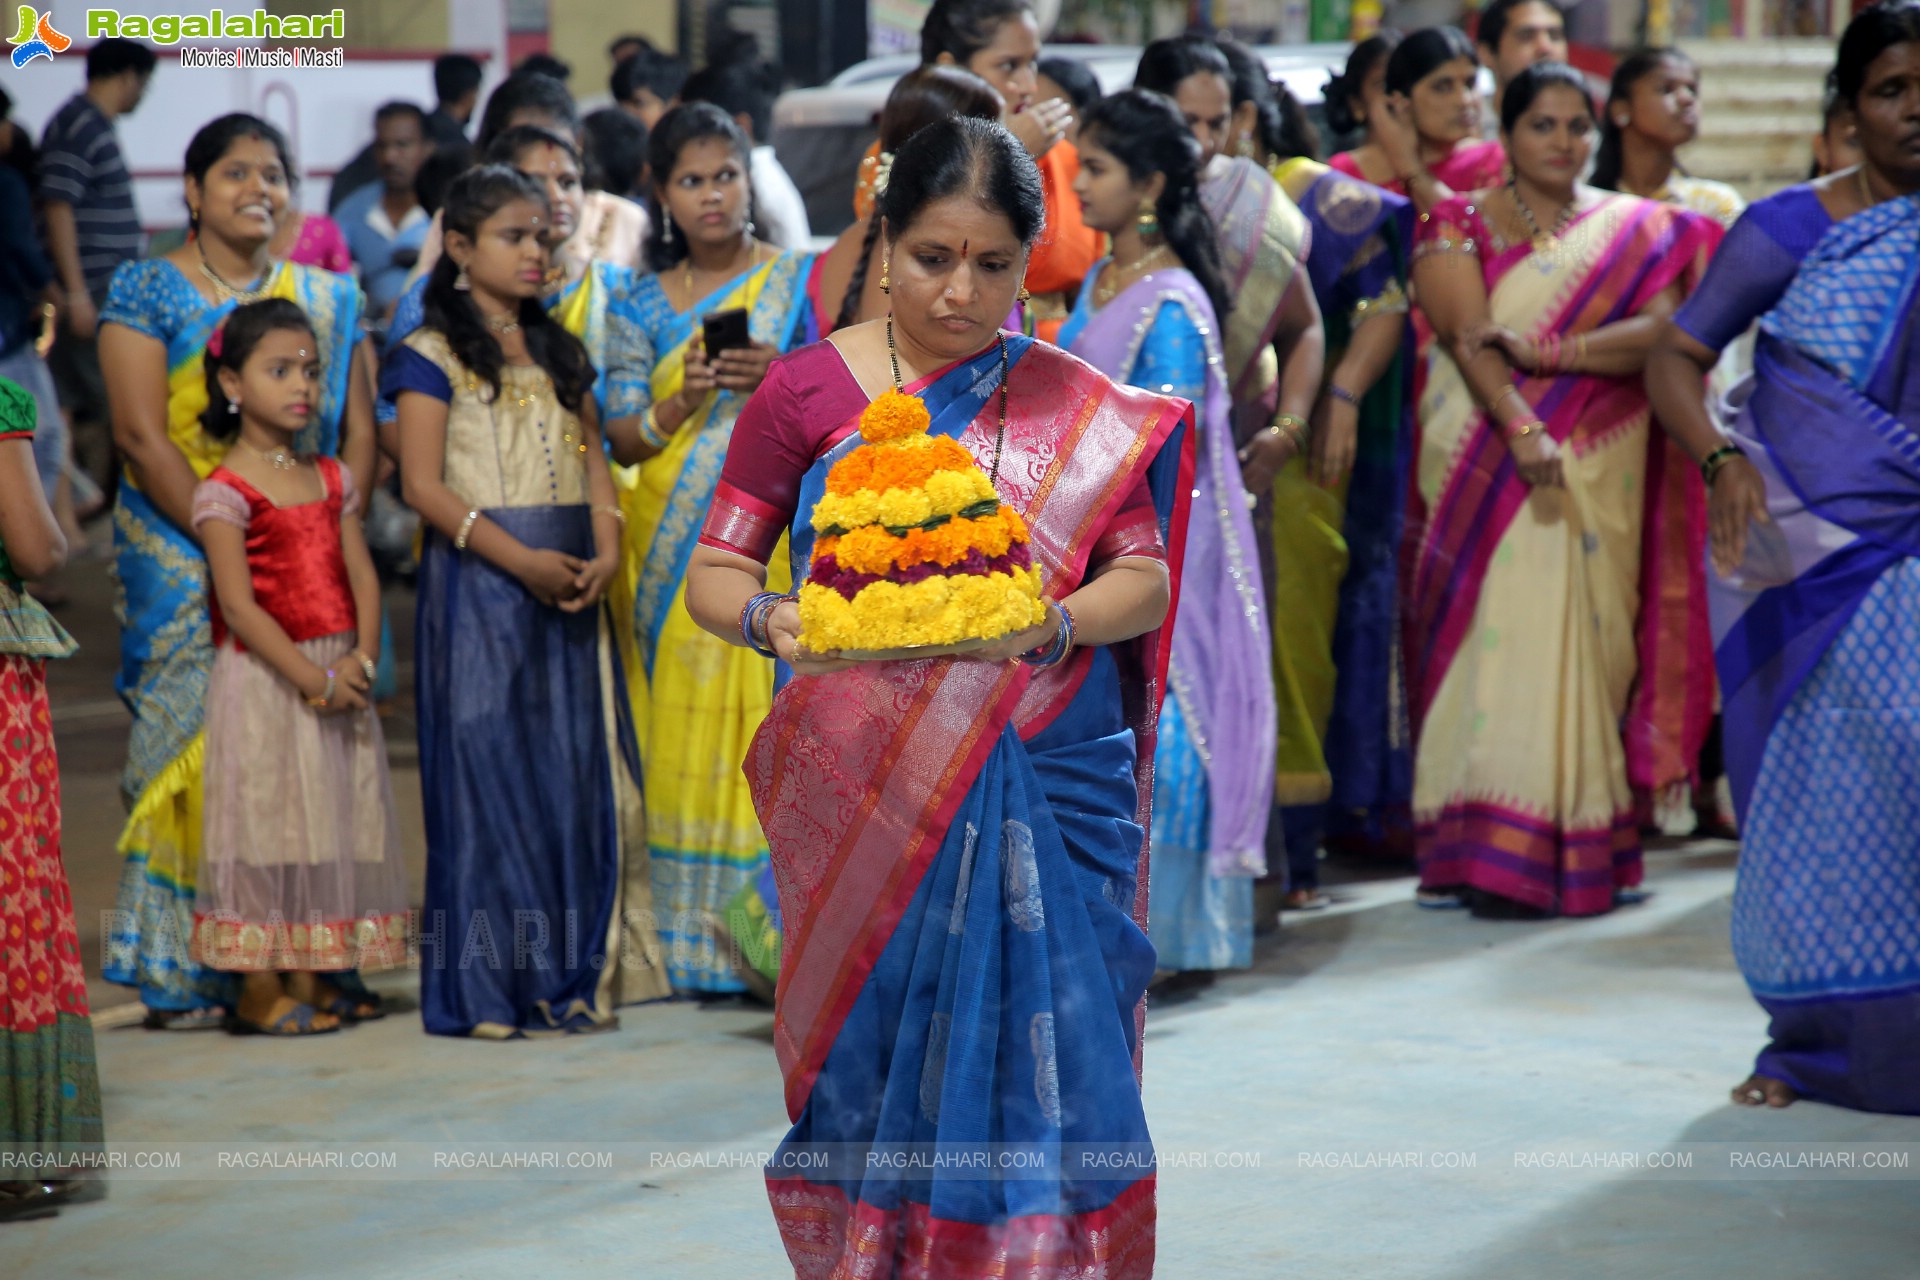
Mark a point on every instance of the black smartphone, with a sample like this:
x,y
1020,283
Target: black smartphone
x,y
725,331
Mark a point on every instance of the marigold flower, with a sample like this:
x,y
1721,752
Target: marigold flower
x,y
894,415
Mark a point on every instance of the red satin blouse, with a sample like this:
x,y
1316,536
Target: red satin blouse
x,y
293,553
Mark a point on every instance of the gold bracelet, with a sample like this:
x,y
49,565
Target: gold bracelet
x,y
615,512
1285,420
650,430
466,528
367,665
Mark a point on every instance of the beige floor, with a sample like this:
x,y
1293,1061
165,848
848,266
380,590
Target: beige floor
x,y
1389,1093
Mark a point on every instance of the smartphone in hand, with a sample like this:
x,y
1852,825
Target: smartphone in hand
x,y
725,331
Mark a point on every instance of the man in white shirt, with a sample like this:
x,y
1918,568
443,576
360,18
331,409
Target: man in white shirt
x,y
745,90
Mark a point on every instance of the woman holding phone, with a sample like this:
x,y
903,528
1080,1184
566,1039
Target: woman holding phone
x,y
717,310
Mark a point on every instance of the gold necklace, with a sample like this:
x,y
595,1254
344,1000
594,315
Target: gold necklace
x,y
252,293
686,268
502,324
1117,274
278,459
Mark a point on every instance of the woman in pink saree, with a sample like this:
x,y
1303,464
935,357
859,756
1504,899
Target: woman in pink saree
x,y
1556,634
1423,137
959,843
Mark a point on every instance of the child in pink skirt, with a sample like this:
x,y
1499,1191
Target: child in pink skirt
x,y
301,874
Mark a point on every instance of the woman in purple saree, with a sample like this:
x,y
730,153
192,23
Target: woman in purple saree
x,y
958,844
1148,316
1816,539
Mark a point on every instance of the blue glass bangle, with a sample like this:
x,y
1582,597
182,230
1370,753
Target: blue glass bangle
x,y
753,621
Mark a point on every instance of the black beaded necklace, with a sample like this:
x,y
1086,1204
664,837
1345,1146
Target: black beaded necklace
x,y
1000,438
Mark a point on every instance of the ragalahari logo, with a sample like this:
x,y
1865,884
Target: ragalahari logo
x,y
37,38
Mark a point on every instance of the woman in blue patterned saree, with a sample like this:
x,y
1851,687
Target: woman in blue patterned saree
x,y
700,700
958,841
1815,538
154,329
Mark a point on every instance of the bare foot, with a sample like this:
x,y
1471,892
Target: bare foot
x,y
1759,1090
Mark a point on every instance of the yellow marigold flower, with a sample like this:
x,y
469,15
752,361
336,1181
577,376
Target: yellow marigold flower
x,y
938,611
894,416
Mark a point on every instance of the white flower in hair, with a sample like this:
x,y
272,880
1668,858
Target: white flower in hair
x,y
882,170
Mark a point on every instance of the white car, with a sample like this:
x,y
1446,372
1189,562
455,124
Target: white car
x,y
821,134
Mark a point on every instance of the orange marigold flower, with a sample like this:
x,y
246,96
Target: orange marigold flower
x,y
874,550
906,464
894,416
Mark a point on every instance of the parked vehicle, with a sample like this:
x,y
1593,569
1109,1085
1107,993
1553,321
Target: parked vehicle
x,y
820,134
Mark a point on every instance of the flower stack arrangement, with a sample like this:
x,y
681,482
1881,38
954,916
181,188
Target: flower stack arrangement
x,y
915,555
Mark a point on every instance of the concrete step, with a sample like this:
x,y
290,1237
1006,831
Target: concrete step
x,y
1715,55
1751,153
1727,125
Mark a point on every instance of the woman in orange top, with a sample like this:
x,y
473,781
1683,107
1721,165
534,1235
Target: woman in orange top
x,y
999,41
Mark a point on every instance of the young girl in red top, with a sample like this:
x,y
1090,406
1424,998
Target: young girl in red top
x,y
301,874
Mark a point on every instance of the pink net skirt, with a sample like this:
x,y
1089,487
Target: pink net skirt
x,y
302,867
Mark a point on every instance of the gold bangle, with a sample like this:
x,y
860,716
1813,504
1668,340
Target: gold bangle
x,y
651,431
1298,424
466,529
615,512
367,665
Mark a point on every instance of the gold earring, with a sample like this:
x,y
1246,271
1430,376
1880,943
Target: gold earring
x,y
1024,295
460,281
886,269
1148,220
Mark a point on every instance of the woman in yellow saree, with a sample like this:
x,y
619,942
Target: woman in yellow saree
x,y
154,330
1555,626
700,699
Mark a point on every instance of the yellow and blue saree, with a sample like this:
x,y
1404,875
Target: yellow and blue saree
x,y
166,644
698,700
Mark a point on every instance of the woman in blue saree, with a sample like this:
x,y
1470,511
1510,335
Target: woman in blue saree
x,y
158,318
1817,547
958,843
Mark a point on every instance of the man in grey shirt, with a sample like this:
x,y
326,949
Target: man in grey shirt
x,y
92,224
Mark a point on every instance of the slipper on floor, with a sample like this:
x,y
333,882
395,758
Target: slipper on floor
x,y
1317,901
1630,897
208,1019
295,1022
1440,901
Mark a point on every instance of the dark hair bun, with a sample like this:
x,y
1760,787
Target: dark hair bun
x,y
964,156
